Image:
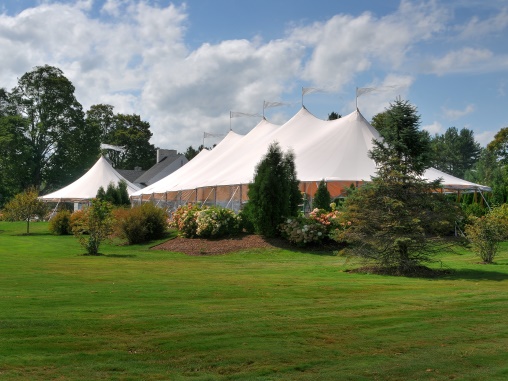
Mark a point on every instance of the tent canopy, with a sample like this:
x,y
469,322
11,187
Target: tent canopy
x,y
335,151
86,187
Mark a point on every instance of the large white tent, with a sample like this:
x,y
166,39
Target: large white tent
x,y
336,151
86,187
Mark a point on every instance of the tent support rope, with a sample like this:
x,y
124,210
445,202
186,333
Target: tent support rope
x,y
232,196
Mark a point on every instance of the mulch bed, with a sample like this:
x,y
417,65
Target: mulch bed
x,y
201,246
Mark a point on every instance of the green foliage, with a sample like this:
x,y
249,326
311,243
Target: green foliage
x,y
499,145
216,222
490,170
322,198
185,219
59,146
486,232
24,207
404,147
127,131
194,220
94,226
246,218
398,219
274,194
455,152
117,195
143,223
333,115
60,224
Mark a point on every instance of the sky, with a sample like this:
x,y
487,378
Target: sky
x,y
183,66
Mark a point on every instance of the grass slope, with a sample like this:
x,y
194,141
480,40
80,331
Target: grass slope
x,y
136,314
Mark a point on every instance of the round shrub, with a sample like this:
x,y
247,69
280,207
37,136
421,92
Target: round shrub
x,y
60,224
185,219
142,223
303,230
215,222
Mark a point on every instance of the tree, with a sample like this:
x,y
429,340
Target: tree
x,y
499,145
322,198
455,152
274,194
127,131
95,226
397,219
333,115
61,147
487,232
14,157
24,207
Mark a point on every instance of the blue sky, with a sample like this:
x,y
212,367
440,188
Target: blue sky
x,y
184,65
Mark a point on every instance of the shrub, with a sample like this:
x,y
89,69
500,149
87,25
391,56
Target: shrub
x,y
77,220
193,220
486,232
115,194
60,224
142,223
184,219
303,230
246,219
322,198
97,221
215,222
320,225
274,194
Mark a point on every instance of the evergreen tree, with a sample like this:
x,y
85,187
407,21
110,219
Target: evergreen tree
x,y
397,220
322,198
274,194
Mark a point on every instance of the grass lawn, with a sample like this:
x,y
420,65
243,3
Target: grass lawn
x,y
140,314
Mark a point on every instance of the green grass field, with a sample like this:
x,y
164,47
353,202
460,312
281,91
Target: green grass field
x,y
140,314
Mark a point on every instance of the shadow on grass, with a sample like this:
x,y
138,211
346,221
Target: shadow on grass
x,y
323,249
474,274
120,255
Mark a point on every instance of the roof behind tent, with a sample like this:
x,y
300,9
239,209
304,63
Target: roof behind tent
x,y
335,150
86,187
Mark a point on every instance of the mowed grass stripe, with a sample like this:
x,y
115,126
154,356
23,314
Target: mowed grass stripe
x,y
140,314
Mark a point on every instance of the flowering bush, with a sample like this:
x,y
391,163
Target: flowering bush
x,y
184,219
303,230
206,222
326,218
215,222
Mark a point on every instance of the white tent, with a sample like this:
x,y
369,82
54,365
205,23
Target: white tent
x,y
336,151
86,187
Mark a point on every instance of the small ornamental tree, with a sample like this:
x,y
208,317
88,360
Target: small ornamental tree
x,y
322,198
94,226
25,206
486,232
398,220
274,194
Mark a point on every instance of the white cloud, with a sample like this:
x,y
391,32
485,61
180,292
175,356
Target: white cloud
x,y
477,28
463,60
485,137
434,128
454,114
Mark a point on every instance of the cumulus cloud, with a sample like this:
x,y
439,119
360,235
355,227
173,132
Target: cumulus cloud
x,y
485,137
135,58
454,114
463,60
434,128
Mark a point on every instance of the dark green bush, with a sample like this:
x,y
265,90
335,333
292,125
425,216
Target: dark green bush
x,y
143,224
60,224
322,198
